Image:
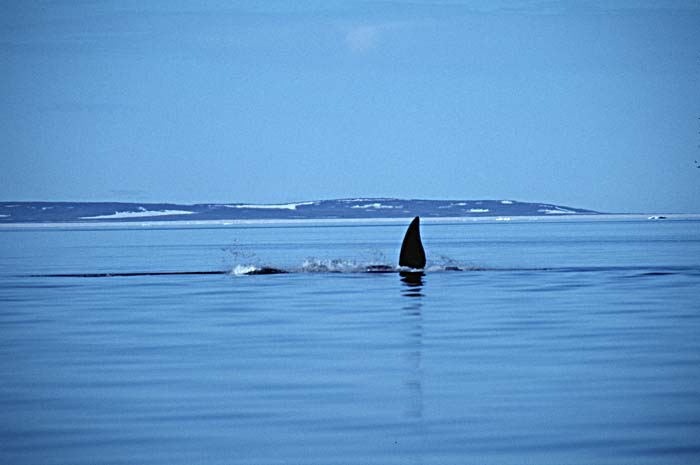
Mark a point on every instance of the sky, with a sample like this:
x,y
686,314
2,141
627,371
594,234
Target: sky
x,y
591,104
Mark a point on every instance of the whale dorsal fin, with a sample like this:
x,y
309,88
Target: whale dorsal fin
x,y
412,254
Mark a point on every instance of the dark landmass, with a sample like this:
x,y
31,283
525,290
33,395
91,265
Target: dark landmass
x,y
361,208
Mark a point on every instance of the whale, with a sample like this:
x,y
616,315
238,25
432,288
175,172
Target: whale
x,y
412,253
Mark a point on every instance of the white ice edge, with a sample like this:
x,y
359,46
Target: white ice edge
x,y
356,221
138,214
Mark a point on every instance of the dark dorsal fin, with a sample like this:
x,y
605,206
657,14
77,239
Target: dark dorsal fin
x,y
412,253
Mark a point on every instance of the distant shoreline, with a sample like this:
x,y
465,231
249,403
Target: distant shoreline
x,y
351,221
315,210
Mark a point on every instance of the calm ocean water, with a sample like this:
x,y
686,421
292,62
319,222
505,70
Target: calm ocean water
x,y
567,343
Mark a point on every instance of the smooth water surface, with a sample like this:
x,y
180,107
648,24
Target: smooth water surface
x,y
566,343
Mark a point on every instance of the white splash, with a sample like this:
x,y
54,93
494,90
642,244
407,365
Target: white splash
x,y
242,270
479,210
317,265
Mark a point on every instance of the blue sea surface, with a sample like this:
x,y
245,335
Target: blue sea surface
x,y
562,343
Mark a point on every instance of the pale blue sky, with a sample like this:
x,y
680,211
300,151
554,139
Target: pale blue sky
x,y
594,105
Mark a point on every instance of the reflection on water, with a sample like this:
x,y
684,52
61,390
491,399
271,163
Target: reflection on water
x,y
412,287
413,283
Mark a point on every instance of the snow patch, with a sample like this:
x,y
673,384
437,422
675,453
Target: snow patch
x,y
142,213
556,211
353,200
450,205
285,206
376,205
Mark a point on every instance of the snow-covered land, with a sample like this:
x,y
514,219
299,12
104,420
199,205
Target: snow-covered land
x,y
358,208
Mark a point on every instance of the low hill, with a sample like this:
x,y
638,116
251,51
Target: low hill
x,y
360,208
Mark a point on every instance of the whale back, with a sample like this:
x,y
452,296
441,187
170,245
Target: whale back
x,y
412,253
